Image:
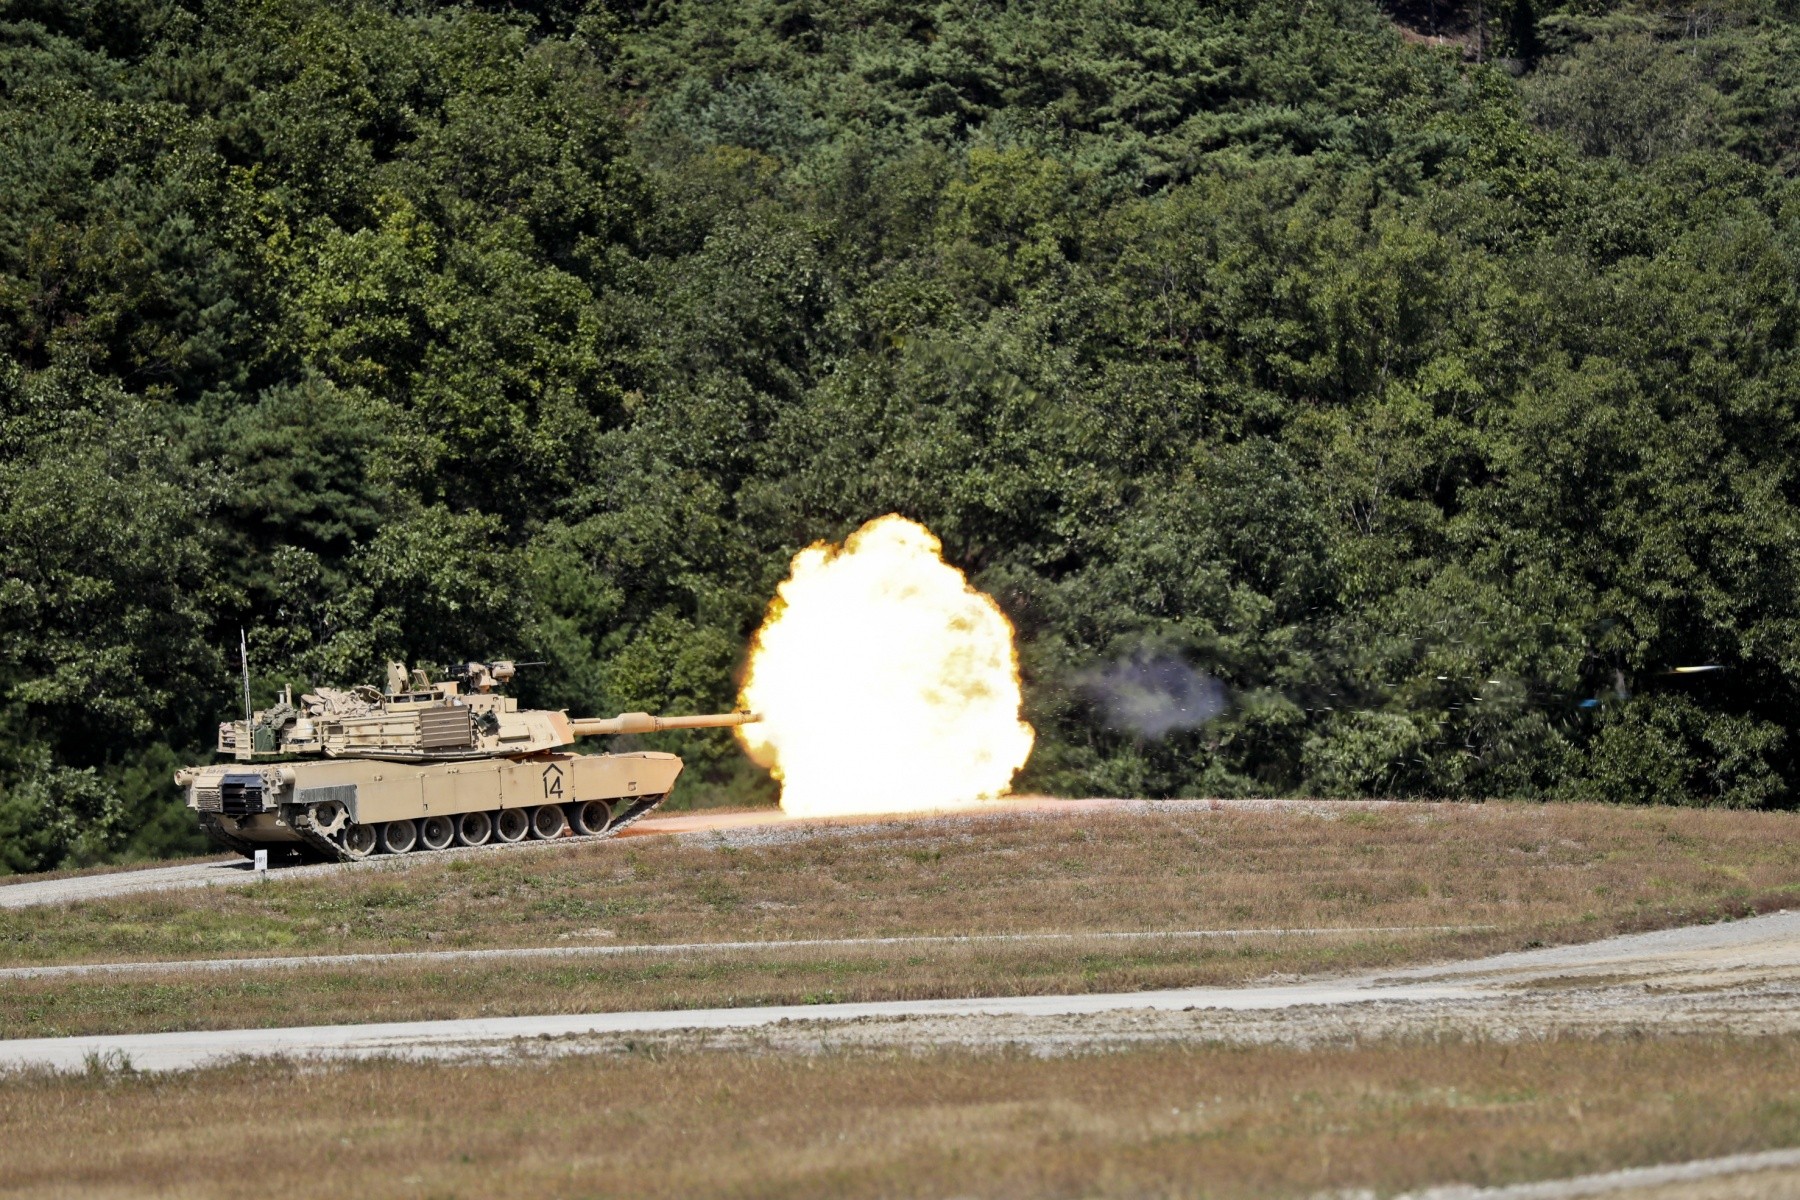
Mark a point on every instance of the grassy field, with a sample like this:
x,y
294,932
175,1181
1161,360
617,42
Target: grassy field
x,y
1166,1121
1530,873
1565,870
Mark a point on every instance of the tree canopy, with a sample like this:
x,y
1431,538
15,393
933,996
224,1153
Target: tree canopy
x,y
1424,376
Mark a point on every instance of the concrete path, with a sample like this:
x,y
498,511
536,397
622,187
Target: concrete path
x,y
1757,945
1762,944
33,892
1770,1173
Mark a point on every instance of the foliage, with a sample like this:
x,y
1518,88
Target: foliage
x,y
1440,409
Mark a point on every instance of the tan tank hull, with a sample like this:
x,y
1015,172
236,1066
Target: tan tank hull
x,y
348,808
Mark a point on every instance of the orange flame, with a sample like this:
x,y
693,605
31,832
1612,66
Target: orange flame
x,y
885,682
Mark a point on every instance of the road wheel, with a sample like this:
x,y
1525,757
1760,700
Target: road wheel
x,y
359,840
590,818
548,822
511,824
474,829
329,818
435,833
397,837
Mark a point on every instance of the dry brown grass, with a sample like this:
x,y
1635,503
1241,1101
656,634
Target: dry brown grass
x,y
1157,1121
1563,871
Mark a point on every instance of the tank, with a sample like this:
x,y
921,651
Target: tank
x,y
424,764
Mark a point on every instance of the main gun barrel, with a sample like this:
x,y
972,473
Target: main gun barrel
x,y
645,723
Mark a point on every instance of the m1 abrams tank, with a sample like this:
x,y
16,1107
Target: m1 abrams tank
x,y
424,765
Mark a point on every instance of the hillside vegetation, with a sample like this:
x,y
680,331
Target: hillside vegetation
x,y
1436,399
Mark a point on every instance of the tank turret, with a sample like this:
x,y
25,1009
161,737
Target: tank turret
x,y
417,719
425,764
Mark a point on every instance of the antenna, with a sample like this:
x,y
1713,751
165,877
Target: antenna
x,y
244,657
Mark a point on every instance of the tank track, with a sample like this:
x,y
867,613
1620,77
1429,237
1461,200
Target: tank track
x,y
214,827
330,849
636,812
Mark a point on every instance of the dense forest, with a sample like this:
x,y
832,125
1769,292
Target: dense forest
x,y
1424,375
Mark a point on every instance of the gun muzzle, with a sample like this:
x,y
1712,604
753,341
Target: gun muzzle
x,y
645,723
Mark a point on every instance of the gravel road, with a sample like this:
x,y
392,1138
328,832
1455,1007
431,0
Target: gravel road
x,y
1739,976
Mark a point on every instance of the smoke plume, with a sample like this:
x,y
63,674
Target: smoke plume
x,y
1154,696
